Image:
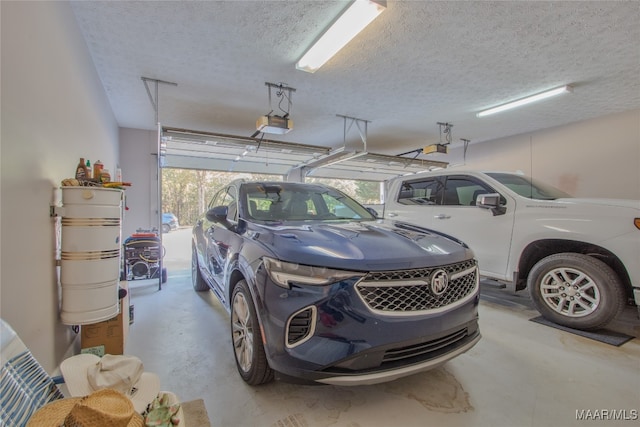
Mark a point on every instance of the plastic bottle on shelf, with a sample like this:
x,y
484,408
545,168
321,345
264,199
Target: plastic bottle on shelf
x,y
88,168
81,170
97,170
118,174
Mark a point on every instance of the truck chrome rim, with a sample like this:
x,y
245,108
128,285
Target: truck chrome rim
x,y
570,292
242,332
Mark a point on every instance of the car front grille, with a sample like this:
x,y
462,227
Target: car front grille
x,y
411,291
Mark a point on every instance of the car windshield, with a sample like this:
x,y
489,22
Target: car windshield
x,y
528,187
286,201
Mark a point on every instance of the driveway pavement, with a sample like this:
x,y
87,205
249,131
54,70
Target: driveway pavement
x,y
177,245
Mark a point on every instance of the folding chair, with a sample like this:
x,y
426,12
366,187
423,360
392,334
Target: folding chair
x,y
24,384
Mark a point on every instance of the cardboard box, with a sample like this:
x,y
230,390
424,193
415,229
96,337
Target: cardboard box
x,y
109,336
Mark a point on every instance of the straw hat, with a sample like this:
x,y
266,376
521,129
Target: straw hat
x,y
85,373
104,408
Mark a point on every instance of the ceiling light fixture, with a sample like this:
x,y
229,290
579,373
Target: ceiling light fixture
x,y
525,101
353,20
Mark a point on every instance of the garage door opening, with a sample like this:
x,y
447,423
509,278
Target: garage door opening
x,y
192,165
186,194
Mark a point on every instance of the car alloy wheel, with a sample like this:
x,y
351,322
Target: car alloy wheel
x,y
196,276
242,332
251,359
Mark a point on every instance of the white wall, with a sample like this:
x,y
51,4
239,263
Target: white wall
x,y
54,110
594,158
138,160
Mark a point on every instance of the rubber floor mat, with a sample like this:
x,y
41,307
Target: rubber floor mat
x,y
602,335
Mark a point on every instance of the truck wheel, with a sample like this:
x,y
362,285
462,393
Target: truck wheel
x,y
575,290
251,359
196,276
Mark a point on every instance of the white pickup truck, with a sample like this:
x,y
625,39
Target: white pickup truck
x,y
580,258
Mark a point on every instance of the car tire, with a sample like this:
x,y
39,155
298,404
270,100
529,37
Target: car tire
x,y
197,280
166,228
246,336
575,290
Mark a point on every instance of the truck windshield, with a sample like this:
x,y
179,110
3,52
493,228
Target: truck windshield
x,y
528,187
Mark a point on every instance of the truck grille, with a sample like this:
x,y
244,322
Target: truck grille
x,y
412,291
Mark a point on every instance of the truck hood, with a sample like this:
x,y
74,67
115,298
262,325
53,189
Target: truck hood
x,y
360,246
588,220
622,203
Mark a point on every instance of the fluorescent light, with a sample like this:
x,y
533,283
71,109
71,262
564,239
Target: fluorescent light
x,y
353,20
527,100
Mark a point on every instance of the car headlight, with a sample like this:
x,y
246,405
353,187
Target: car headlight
x,y
285,273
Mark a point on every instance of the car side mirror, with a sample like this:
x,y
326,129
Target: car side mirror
x,y
373,212
219,215
491,201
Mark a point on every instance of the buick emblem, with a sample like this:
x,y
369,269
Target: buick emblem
x,y
439,282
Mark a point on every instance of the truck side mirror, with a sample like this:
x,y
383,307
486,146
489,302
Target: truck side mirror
x,y
488,201
491,201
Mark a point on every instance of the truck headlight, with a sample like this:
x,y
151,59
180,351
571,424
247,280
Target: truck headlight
x,y
284,273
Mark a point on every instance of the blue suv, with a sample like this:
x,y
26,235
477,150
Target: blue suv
x,y
169,222
320,290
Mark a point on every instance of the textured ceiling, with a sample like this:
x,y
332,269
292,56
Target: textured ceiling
x,y
418,64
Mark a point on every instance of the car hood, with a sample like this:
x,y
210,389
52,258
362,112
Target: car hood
x,y
360,246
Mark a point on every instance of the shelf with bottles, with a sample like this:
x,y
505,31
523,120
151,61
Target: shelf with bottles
x,y
86,176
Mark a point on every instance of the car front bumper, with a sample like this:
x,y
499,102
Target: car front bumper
x,y
344,342
395,373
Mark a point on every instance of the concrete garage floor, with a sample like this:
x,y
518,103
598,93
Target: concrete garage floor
x,y
520,374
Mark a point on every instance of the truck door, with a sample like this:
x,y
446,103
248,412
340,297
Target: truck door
x,y
488,235
415,200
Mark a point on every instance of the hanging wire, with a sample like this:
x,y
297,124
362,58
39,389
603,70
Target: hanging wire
x,y
282,96
464,152
260,142
447,132
282,91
